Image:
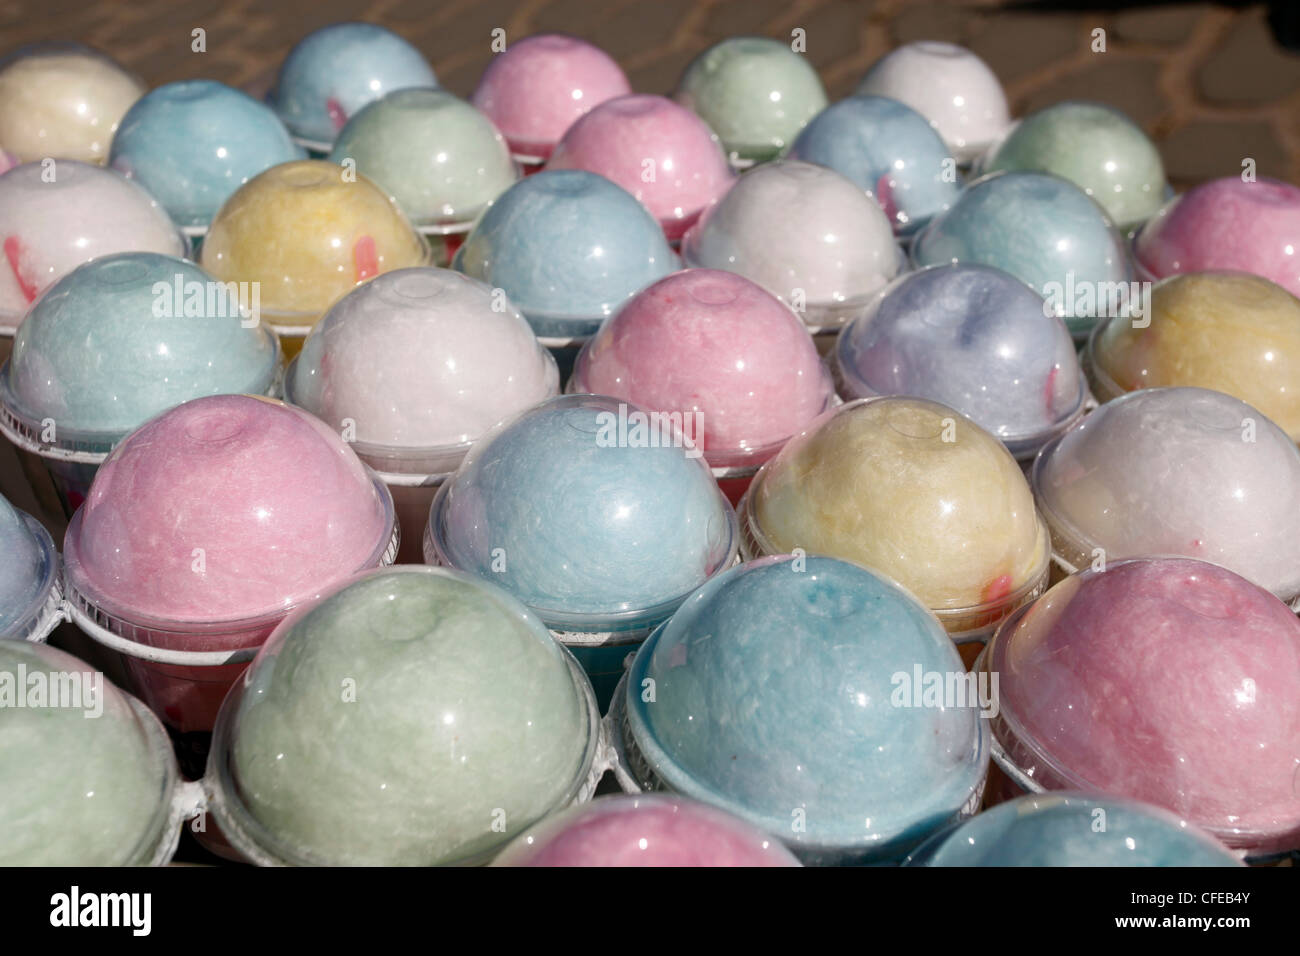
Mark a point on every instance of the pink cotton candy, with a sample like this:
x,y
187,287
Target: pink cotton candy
x,y
715,343
224,508
1226,224
662,153
539,86
1168,680
645,830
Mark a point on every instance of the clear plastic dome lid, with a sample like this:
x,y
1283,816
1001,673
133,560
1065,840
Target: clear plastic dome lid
x,y
950,86
755,92
468,723
1045,231
86,771
1181,471
120,340
890,151
308,232
662,153
644,830
1225,224
972,337
440,159
55,217
1227,331
1097,148
539,86
775,693
568,247
1074,829
193,143
62,101
334,71
29,568
805,233
717,349
418,364
587,510
7,161
1128,681
914,490
224,509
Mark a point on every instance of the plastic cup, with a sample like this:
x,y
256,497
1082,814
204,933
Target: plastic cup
x,y
62,101
916,491
1097,148
415,716
1127,681
755,92
1228,331
950,86
334,71
54,218
203,529
806,234
1176,471
568,248
114,343
1074,829
1225,224
411,369
719,352
440,159
596,517
192,144
87,776
974,338
662,153
30,594
1046,232
890,151
308,232
644,830
773,694
539,86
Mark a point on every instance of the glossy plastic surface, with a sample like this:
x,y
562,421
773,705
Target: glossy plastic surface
x,y
29,566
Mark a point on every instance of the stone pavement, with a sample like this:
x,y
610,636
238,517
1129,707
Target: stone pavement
x,y
1209,82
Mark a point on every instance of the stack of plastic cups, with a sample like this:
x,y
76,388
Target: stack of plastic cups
x,y
411,369
335,71
440,159
54,218
62,101
974,338
756,93
415,716
540,86
951,87
31,597
301,236
804,233
1224,225
114,343
192,144
1127,680
87,775
1231,332
662,153
202,530
915,491
1048,233
789,692
598,518
1228,478
731,361
568,248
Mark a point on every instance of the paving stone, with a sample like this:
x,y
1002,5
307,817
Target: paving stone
x,y
1127,83
1018,44
1207,150
1249,66
1167,25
